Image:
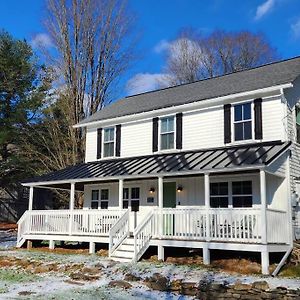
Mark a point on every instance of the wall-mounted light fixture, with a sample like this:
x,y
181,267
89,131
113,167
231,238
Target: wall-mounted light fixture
x,y
179,189
151,190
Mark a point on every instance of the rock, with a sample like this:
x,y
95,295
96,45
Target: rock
x,y
90,270
175,285
82,276
131,277
189,288
42,269
25,293
157,282
242,286
120,284
260,285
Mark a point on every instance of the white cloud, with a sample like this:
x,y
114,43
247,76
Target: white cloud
x,y
296,28
162,46
41,40
264,8
144,82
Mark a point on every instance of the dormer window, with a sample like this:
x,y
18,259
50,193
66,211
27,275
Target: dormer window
x,y
109,142
242,122
167,133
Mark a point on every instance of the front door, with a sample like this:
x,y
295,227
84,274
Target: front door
x,y
169,201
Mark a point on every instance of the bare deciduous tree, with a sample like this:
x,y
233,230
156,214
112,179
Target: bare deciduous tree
x,y
193,57
94,48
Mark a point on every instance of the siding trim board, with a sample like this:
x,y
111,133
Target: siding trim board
x,y
155,134
99,143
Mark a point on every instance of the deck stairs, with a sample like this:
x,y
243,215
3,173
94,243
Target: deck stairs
x,y
125,251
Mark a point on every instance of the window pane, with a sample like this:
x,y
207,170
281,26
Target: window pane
x,y
95,195
247,111
216,202
126,193
135,205
247,130
237,188
219,188
108,149
242,201
167,141
104,194
238,131
167,124
238,112
164,125
125,204
135,193
109,134
94,204
247,187
104,204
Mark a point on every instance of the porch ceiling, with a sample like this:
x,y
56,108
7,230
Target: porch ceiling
x,y
225,159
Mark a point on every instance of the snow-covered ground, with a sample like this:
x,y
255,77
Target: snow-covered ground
x,y
48,275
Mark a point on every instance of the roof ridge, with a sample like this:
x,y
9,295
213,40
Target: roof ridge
x,y
215,77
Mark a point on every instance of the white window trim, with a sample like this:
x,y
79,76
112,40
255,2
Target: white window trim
x,y
234,142
159,134
103,143
99,196
231,195
129,187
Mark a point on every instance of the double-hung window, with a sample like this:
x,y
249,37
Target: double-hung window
x,y
219,194
104,196
242,122
109,142
242,194
95,199
167,133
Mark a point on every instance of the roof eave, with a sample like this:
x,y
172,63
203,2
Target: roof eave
x,y
185,107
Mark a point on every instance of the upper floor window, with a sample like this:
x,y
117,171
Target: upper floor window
x,y
242,122
167,133
109,142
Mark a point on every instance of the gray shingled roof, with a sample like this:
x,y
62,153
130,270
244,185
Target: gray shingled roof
x,y
261,77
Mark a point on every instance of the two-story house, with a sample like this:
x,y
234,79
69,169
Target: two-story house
x,y
211,164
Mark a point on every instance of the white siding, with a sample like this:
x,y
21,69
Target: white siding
x,y
136,138
200,129
91,144
273,118
203,129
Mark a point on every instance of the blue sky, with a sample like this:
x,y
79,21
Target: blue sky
x,y
160,20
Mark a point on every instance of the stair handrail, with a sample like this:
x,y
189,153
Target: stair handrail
x,y
142,236
21,228
118,232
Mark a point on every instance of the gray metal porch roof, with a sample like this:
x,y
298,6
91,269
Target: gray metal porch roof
x,y
212,160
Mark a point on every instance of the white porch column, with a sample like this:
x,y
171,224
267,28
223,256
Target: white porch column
x,y
71,206
72,196
206,255
207,204
92,248
265,261
160,253
263,201
51,244
121,184
160,199
160,192
30,202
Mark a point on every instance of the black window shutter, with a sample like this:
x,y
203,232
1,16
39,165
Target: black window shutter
x,y
99,142
179,131
227,123
155,134
258,119
118,140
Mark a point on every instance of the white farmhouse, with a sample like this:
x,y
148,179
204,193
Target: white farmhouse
x,y
211,164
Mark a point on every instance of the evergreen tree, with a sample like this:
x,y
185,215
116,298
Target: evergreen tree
x,y
22,90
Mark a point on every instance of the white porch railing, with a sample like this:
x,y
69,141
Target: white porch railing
x,y
118,232
277,226
67,222
143,234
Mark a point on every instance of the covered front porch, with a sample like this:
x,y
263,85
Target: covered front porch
x,y
209,209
